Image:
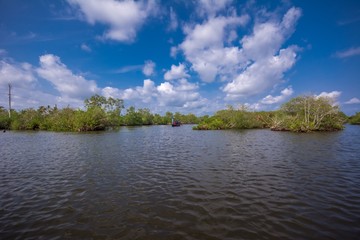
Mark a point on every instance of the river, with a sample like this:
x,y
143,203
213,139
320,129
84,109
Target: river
x,y
161,182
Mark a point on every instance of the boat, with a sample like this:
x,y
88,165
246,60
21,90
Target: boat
x,y
175,123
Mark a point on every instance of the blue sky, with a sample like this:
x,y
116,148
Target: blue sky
x,y
186,56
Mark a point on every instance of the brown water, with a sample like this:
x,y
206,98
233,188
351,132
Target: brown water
x,y
174,183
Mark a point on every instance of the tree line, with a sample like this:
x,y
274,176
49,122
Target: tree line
x,y
300,114
99,113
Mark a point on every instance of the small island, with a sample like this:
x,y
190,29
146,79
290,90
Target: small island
x,y
300,114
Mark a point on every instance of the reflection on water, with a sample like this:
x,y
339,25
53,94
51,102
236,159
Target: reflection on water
x,y
174,183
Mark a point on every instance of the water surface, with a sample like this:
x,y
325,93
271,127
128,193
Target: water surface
x,y
174,183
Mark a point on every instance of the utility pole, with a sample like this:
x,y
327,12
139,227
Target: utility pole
x,y
9,100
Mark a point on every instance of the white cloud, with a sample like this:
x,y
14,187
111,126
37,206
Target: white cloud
x,y
212,7
266,62
123,17
353,101
22,78
254,66
67,83
184,85
173,51
148,68
144,93
26,88
129,68
254,106
85,47
210,34
232,36
33,98
111,92
176,72
332,96
264,42
180,94
261,75
348,53
173,20
267,37
269,99
203,47
18,74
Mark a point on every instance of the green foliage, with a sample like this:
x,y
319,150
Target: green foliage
x,y
143,116
159,120
233,119
61,120
100,113
300,114
4,118
310,113
212,123
146,116
355,119
27,119
94,119
132,117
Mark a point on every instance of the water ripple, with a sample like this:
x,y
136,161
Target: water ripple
x,y
174,183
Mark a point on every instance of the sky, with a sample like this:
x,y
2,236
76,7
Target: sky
x,y
183,56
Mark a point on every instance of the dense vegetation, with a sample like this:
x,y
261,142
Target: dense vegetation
x,y
100,113
300,114
355,119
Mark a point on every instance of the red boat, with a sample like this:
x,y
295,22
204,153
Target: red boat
x,y
175,123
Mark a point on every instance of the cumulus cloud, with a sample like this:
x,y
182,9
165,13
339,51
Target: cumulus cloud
x,y
267,62
332,96
149,68
26,87
144,93
176,72
22,78
204,46
124,18
261,75
18,74
268,37
72,88
252,67
348,53
353,101
67,83
269,99
176,94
